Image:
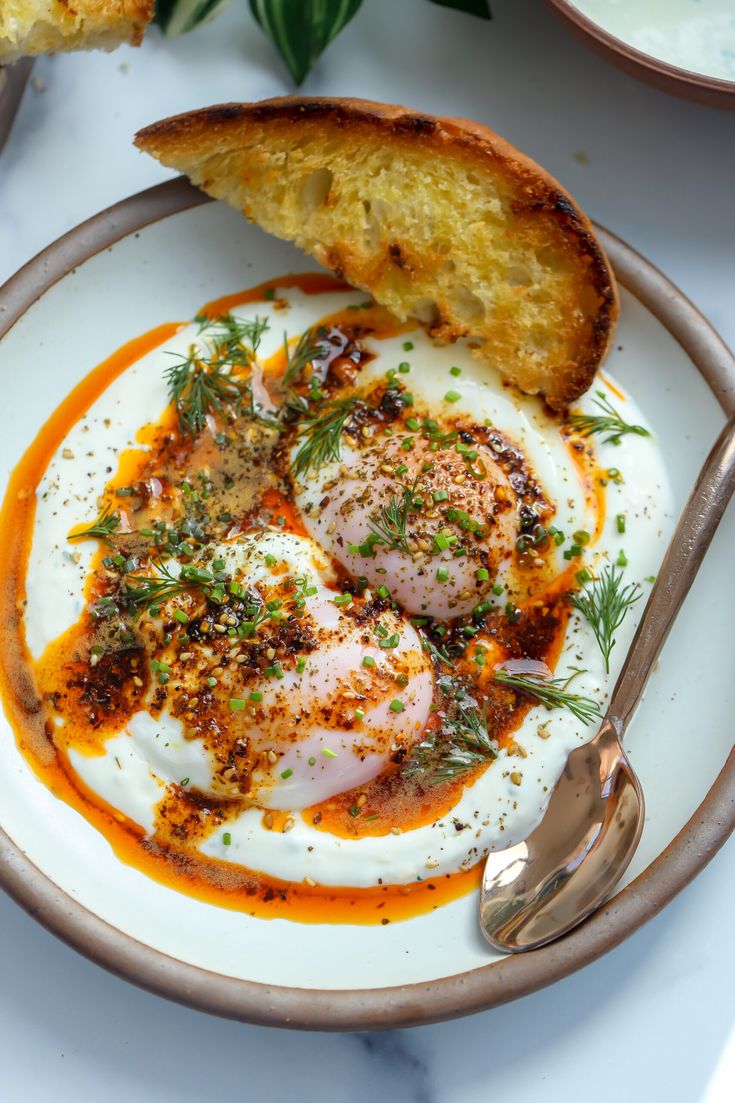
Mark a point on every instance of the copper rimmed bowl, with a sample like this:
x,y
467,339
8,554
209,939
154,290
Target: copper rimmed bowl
x,y
156,257
675,47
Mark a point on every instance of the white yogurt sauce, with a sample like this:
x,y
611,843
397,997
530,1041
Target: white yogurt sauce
x,y
697,35
492,812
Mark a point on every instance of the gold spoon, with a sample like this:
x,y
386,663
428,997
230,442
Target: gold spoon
x,y
539,889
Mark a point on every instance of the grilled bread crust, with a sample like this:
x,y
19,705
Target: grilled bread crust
x,y
29,27
437,218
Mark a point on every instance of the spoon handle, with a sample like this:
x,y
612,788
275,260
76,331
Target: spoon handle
x,y
692,537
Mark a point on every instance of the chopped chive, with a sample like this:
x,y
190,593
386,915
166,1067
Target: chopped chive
x,y
312,760
301,666
408,346
368,661
237,704
273,671
442,574
620,522
343,599
286,774
255,695
622,560
226,838
404,367
452,396
328,753
441,542
396,705
584,576
180,616
211,681
383,592
582,537
359,714
455,371
413,424
482,574
440,495
391,642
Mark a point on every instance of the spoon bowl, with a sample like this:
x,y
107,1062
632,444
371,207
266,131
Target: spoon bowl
x,y
530,894
538,889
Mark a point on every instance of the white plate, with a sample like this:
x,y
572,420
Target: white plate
x,y
679,740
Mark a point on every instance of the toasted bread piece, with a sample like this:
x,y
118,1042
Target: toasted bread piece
x,y
29,27
437,218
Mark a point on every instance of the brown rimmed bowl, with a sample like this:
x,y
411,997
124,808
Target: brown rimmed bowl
x,y
157,256
688,84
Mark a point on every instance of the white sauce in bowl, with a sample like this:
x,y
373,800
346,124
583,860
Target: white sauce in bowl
x,y
697,35
507,800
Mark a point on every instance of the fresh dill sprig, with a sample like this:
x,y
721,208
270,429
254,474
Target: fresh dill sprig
x,y
389,526
198,388
552,693
609,422
604,604
463,744
204,383
103,528
233,338
321,436
149,591
437,653
308,348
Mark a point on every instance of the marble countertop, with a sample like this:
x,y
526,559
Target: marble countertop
x,y
657,171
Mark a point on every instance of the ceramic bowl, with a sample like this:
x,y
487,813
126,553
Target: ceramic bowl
x,y
686,47
156,257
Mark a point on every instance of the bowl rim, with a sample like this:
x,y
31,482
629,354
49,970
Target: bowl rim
x,y
688,83
409,1004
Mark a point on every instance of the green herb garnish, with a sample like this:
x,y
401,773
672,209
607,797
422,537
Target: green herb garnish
x,y
389,526
308,347
321,436
552,693
604,604
146,591
463,744
609,422
103,528
201,384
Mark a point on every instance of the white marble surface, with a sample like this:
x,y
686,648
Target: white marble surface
x,y
658,1011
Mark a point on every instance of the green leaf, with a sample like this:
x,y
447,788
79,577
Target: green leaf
x,y
179,16
480,8
302,29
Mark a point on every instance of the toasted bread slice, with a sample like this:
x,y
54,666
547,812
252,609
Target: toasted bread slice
x,y
437,218
29,27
